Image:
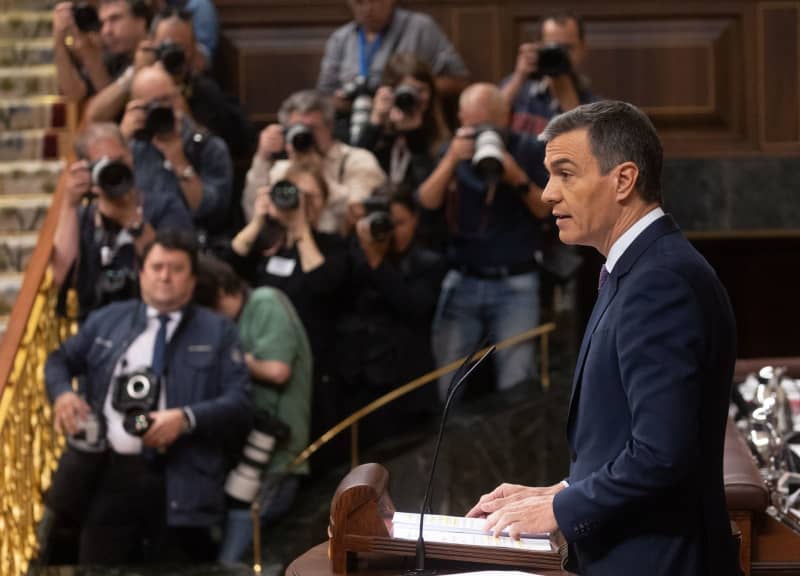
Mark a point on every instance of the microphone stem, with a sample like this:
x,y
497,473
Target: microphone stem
x,y
420,552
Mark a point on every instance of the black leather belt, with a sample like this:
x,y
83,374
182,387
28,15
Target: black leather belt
x,y
497,272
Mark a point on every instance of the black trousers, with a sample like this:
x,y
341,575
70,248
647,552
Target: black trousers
x,y
125,522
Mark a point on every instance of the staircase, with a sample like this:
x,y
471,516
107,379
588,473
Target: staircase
x,y
34,136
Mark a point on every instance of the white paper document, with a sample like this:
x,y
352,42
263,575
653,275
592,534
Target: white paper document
x,y
459,530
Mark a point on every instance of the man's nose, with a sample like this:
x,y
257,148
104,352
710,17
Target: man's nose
x,y
550,193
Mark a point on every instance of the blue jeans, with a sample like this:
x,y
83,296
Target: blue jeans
x,y
278,495
470,308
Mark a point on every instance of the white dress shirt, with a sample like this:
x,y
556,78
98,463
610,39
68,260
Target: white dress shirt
x,y
138,355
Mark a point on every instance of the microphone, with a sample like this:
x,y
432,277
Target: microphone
x,y
420,570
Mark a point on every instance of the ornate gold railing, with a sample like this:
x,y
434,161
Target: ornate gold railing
x,y
30,447
542,333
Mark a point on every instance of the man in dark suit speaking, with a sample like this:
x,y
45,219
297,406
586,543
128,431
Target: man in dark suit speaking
x,y
650,394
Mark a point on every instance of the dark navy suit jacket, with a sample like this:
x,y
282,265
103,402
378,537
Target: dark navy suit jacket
x,y
647,418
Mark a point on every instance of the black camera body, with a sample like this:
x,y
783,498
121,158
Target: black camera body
x,y
379,217
553,60
113,177
489,151
86,17
285,195
160,121
244,481
135,395
172,57
406,98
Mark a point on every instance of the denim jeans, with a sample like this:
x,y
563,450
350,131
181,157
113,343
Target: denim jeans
x,y
278,495
470,308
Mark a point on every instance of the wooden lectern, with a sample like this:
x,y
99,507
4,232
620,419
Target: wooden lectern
x,y
361,522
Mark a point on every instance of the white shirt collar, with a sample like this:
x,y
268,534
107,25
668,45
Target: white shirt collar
x,y
173,316
623,242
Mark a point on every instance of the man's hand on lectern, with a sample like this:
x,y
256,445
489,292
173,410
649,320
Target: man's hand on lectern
x,y
519,509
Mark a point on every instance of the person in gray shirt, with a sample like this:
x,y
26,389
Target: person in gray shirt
x,y
362,47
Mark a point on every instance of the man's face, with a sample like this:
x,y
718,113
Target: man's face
x,y
567,36
583,200
314,120
373,15
121,30
166,280
178,32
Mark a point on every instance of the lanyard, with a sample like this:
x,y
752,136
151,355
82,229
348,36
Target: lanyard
x,y
367,51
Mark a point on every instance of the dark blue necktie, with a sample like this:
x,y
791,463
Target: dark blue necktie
x,y
160,347
603,277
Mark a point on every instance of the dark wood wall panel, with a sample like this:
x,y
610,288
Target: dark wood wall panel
x,y
717,77
780,66
264,65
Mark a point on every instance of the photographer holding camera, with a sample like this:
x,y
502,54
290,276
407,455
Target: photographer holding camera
x,y
406,127
97,244
173,47
384,334
546,80
357,53
172,156
305,134
282,247
278,357
485,183
94,46
167,383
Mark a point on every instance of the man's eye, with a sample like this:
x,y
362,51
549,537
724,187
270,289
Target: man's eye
x,y
564,175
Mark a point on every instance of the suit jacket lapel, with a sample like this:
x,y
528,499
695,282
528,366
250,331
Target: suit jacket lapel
x,y
664,225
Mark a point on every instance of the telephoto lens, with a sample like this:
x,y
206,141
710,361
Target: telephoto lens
x,y
244,481
488,156
300,137
285,195
113,177
359,117
406,98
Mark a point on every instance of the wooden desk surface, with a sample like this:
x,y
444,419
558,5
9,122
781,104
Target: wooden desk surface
x,y
315,563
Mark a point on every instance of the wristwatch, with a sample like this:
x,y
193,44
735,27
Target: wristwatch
x,y
185,174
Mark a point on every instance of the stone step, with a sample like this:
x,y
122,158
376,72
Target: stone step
x,y
34,145
39,112
26,52
23,214
27,4
10,285
16,250
29,81
23,178
26,24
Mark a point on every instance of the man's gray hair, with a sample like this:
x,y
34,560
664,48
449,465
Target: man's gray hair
x,y
97,131
618,132
307,101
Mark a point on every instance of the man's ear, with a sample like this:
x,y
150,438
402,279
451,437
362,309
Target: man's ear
x,y
627,175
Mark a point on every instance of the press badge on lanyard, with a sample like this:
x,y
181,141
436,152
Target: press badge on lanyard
x,y
280,266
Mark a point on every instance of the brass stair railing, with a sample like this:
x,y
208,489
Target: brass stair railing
x,y
29,447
